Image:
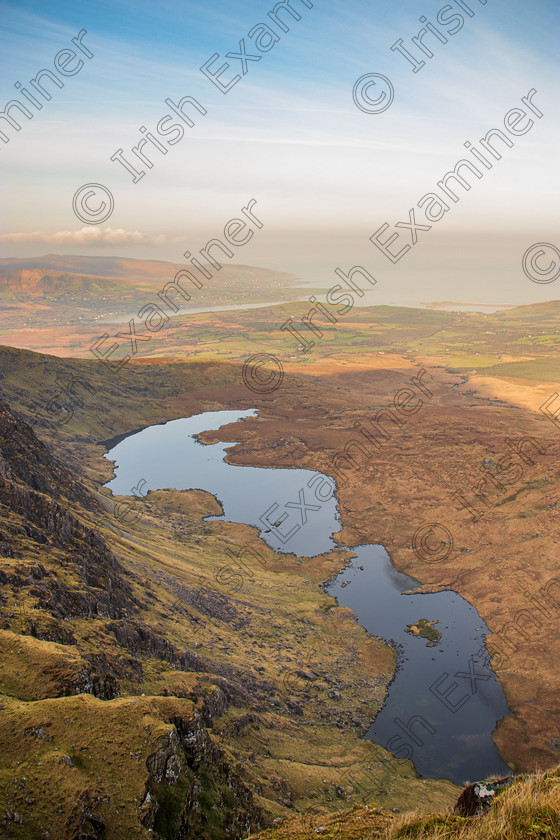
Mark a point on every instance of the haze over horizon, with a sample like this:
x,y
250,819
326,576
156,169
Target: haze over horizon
x,y
457,279
325,175
279,420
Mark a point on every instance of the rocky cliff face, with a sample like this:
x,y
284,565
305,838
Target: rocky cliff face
x,y
210,796
25,459
64,573
138,690
36,494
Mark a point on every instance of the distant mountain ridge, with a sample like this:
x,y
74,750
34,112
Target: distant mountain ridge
x,y
149,270
34,282
100,266
54,290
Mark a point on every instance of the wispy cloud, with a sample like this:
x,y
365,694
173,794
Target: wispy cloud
x,y
85,236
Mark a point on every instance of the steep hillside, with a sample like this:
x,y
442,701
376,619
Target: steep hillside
x,y
146,597
137,690
529,809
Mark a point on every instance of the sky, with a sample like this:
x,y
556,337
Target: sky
x,y
326,163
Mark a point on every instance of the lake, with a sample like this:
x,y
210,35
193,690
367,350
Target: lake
x,y
444,701
168,455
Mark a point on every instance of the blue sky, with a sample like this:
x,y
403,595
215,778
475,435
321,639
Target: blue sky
x,y
325,174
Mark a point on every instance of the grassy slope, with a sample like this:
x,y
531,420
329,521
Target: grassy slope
x,y
458,440
80,749
527,810
257,636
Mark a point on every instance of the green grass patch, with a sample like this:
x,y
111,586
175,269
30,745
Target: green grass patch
x,y
543,370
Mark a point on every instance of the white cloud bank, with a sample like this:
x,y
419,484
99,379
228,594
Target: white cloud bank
x,y
85,236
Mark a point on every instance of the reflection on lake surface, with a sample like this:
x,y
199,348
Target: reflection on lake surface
x,y
445,701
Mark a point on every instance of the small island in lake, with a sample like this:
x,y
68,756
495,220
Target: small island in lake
x,y
425,628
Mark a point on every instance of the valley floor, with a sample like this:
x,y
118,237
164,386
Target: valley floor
x,y
143,682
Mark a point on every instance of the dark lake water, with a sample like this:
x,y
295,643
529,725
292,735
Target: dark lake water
x,y
169,456
444,701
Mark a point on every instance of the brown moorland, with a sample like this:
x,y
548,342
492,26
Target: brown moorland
x,y
499,549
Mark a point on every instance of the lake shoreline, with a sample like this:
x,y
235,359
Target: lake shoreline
x,y
172,455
